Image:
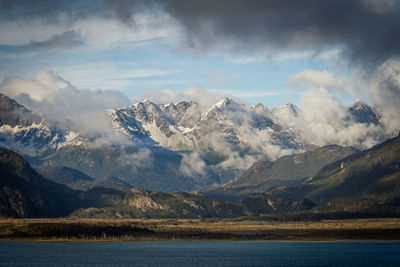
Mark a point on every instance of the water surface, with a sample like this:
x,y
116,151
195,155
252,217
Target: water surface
x,y
200,254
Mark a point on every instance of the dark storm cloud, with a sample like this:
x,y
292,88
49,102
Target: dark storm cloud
x,y
45,9
368,30
66,40
74,9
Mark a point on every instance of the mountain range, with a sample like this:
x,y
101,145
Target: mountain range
x,y
184,126
181,146
365,183
25,193
364,180
291,170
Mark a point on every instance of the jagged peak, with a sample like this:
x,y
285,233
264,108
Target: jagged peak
x,y
144,104
292,107
260,107
178,104
146,101
224,102
360,105
220,106
186,103
289,106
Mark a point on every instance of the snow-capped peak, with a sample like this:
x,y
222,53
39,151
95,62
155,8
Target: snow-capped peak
x,y
223,103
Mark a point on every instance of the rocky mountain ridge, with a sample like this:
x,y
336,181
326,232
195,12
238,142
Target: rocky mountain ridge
x,y
183,126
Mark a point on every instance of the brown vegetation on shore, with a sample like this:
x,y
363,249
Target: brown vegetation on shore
x,y
65,229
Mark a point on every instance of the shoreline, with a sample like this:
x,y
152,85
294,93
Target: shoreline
x,y
164,240
229,230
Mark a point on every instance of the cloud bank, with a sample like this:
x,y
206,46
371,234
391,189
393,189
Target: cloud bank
x,y
205,98
64,105
323,120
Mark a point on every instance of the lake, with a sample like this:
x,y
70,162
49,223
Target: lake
x,y
200,254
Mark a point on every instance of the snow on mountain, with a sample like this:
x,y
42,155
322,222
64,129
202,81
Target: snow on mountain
x,y
286,113
360,125
28,132
183,126
364,113
212,146
225,127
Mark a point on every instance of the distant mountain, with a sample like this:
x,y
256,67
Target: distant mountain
x,y
27,131
184,126
154,168
264,176
168,147
51,150
359,112
286,114
111,182
365,180
25,193
80,181
68,176
364,113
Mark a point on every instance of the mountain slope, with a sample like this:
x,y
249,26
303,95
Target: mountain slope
x,y
111,182
155,169
373,175
68,176
25,193
289,170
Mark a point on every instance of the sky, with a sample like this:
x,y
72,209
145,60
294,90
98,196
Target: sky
x,y
266,51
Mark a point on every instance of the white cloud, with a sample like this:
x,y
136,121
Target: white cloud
x,y
110,75
105,33
43,85
328,55
313,78
323,120
19,32
142,158
64,105
205,98
383,88
192,164
97,32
